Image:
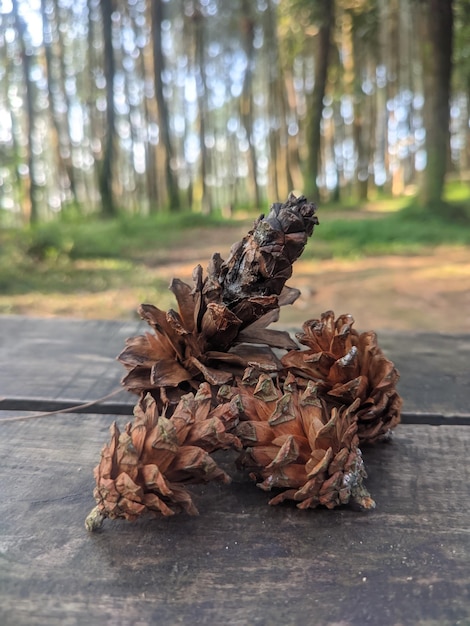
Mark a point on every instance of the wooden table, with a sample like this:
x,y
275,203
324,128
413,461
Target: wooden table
x,y
241,561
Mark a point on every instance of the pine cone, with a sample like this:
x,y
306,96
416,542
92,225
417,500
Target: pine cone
x,y
209,337
208,379
347,366
145,468
294,443
261,263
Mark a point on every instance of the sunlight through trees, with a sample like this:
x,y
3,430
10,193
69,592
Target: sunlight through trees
x,y
151,105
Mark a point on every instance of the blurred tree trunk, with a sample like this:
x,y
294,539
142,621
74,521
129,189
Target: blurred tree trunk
x,y
134,200
108,207
435,23
293,156
199,40
393,88
146,72
31,208
325,12
364,50
272,97
10,155
279,167
247,27
157,17
55,88
95,124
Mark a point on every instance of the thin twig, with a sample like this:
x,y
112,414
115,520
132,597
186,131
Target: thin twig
x,y
70,409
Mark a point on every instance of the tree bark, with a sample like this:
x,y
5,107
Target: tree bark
x,y
325,10
363,48
435,21
108,207
247,28
31,207
199,40
55,85
147,71
163,115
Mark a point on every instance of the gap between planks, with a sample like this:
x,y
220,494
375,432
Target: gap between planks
x,y
124,408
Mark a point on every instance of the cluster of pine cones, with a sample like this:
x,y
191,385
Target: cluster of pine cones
x,y
212,375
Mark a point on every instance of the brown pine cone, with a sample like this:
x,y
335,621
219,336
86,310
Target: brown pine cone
x,y
294,443
348,365
209,379
261,263
209,337
146,468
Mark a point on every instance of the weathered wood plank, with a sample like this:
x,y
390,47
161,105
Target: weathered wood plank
x,y
240,561
74,360
57,359
434,369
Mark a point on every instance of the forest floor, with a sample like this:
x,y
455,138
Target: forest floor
x,y
429,291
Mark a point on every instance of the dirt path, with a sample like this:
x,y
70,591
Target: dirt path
x,y
429,292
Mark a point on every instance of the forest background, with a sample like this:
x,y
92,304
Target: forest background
x,y
137,137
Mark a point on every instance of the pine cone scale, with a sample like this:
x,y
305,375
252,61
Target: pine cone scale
x,y
185,299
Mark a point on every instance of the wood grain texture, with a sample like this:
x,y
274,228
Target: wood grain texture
x,y
57,359
240,561
434,370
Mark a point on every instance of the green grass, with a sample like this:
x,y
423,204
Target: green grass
x,y
92,255
394,233
119,238
391,226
